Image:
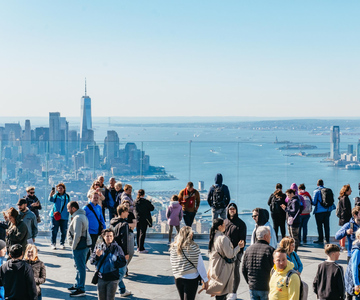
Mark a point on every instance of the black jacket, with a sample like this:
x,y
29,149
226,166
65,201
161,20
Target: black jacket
x,y
39,270
30,200
4,225
235,228
345,210
121,229
293,209
17,277
142,211
275,205
224,189
17,234
257,264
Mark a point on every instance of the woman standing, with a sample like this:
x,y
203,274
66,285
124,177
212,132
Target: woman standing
x,y
187,264
31,257
344,209
95,188
17,231
288,244
278,215
108,258
142,211
126,195
59,214
221,261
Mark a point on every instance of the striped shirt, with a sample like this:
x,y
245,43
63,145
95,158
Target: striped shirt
x,y
180,265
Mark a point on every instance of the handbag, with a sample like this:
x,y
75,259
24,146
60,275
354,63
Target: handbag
x,y
95,278
57,215
199,278
291,220
227,260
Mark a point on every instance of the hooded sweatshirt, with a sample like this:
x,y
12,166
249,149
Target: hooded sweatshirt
x,y
224,189
121,229
79,227
174,213
263,220
29,218
235,228
278,289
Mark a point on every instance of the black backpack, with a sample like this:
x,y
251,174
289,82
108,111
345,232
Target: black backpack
x,y
218,197
327,197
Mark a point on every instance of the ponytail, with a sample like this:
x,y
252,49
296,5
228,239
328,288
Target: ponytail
x,y
216,223
140,194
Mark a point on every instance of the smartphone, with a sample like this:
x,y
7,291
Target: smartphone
x,y
53,189
352,226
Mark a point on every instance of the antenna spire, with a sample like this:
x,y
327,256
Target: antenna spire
x,y
85,86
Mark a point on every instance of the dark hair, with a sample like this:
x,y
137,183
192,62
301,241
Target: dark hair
x,y
329,248
140,194
74,204
190,184
355,210
121,208
174,198
216,223
320,182
302,186
279,250
12,212
107,230
290,191
278,186
16,251
278,194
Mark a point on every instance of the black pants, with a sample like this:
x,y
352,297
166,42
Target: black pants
x,y
141,233
222,297
323,218
187,288
279,222
94,238
237,272
188,217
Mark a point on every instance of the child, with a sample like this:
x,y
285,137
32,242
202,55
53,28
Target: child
x,y
2,260
174,215
329,280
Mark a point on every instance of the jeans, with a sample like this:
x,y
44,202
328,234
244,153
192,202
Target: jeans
x,y
220,212
294,233
80,265
259,295
131,241
304,219
237,272
187,288
171,230
63,224
188,217
141,233
122,287
107,289
323,218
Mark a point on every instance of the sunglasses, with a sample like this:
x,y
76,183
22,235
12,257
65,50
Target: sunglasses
x,y
254,216
32,193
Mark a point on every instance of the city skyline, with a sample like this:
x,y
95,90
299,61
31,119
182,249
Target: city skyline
x,y
258,59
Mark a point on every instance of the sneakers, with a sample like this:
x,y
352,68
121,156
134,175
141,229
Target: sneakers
x,y
231,296
144,251
126,293
72,288
62,247
53,247
318,242
78,293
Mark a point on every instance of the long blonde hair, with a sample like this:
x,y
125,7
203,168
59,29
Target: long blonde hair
x,y
31,247
183,239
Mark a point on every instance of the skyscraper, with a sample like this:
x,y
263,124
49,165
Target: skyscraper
x,y
85,122
54,132
335,142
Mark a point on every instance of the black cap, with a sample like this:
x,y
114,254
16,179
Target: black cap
x,y
21,201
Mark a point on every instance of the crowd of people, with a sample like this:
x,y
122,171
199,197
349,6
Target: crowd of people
x,y
270,265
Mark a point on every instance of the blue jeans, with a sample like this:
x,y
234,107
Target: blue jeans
x,y
303,226
63,224
259,295
122,272
220,212
80,265
188,217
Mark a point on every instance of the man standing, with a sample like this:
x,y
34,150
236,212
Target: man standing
x,y
33,202
235,229
17,276
279,288
29,219
189,198
323,207
257,264
110,198
79,239
218,198
95,218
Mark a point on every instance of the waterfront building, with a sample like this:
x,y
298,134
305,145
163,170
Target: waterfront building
x,y
335,142
358,151
350,149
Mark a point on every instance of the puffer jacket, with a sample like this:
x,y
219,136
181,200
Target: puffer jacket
x,y
174,213
39,273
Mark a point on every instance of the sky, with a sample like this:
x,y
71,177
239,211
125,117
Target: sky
x,y
154,58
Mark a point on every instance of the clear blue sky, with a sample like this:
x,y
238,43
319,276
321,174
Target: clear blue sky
x,y
177,58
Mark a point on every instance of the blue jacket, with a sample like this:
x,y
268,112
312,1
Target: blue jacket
x,y
295,259
351,238
93,222
59,204
355,262
316,201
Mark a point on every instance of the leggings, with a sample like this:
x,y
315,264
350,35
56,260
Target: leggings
x,y
187,288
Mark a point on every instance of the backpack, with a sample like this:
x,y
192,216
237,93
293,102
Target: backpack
x,y
218,197
304,288
327,197
308,208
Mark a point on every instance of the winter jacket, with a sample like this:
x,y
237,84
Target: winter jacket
x,y
342,233
263,220
278,288
316,201
17,277
142,211
174,213
114,259
29,219
121,229
257,264
39,270
295,259
293,210
275,206
190,201
17,234
30,200
60,203
128,197
110,197
221,273
93,222
224,189
344,209
79,227
235,228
